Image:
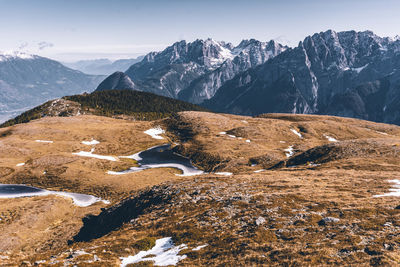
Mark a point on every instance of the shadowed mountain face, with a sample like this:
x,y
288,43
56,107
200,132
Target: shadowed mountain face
x,y
194,71
117,80
26,81
351,74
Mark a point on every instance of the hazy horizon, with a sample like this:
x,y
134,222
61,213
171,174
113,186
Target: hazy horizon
x,y
77,30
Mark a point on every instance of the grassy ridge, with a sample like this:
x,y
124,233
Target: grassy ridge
x,y
137,105
128,102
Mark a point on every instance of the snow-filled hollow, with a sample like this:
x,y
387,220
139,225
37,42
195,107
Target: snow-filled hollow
x,y
80,200
176,161
164,253
155,133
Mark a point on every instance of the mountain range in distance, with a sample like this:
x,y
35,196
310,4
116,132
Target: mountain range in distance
x,y
351,74
102,66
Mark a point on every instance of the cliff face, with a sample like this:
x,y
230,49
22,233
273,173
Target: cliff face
x,y
352,74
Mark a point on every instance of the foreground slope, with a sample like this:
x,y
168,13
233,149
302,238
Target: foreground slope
x,y
280,190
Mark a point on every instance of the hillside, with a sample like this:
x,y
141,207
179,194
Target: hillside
x,y
125,103
278,189
29,80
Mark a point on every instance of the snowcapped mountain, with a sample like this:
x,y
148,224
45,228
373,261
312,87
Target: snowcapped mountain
x,y
353,74
28,80
194,71
248,54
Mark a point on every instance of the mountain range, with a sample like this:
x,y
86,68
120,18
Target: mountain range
x,y
102,66
193,71
29,80
351,74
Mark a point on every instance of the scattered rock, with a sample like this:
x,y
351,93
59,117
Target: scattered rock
x,y
328,220
260,221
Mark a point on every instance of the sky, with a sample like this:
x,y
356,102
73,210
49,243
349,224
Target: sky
x,y
71,30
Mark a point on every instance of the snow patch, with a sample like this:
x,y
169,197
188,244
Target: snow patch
x,y
289,151
91,155
296,133
20,164
330,139
394,192
224,173
164,253
248,141
358,70
91,143
155,132
186,171
261,170
199,247
44,141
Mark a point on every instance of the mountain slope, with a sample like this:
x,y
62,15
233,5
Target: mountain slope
x,y
27,81
194,71
352,74
117,80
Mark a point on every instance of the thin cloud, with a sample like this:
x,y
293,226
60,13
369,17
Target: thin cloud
x,y
44,45
23,45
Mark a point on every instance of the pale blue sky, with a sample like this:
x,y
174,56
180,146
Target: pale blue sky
x,y
77,29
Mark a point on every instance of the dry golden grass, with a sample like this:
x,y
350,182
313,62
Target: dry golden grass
x,y
217,210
